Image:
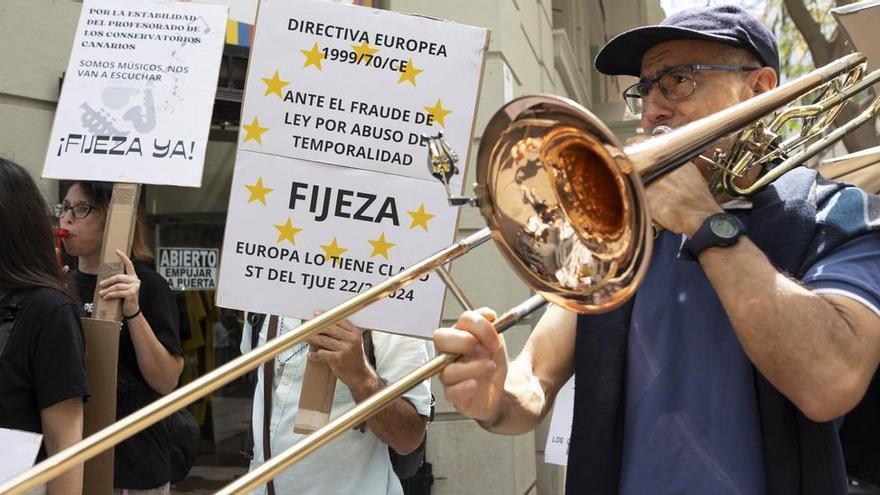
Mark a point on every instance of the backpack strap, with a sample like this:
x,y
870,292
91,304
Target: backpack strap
x,y
370,352
268,382
10,307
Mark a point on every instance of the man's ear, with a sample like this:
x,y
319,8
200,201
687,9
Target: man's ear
x,y
763,80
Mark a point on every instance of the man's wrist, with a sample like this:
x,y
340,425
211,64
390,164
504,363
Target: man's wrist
x,y
695,221
367,383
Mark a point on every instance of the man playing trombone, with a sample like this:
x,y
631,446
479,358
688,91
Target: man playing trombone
x,y
757,325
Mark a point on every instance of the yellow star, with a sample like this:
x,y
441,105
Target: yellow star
x,y
333,250
409,73
438,112
258,191
274,84
381,246
254,131
313,56
420,218
364,52
287,232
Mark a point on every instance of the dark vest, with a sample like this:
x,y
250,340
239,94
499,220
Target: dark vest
x,y
794,224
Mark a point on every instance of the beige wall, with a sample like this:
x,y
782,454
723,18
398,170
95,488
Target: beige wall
x,y
36,36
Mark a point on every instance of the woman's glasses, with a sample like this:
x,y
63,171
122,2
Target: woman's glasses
x,y
79,211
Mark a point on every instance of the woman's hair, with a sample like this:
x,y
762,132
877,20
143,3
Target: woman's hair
x,y
27,248
99,194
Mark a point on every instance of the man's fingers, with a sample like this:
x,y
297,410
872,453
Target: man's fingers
x,y
344,324
324,342
480,328
321,355
461,394
488,313
461,371
454,341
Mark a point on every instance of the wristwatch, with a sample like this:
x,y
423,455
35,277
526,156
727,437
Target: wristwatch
x,y
718,230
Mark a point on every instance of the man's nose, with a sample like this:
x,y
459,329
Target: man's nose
x,y
656,109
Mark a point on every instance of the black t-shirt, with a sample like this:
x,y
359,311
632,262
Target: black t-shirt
x,y
43,361
141,462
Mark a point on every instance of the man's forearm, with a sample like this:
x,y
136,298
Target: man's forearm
x,y
798,341
399,424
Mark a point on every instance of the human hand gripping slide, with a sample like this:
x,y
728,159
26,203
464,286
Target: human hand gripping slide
x,y
475,382
125,286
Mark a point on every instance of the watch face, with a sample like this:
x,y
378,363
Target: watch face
x,y
724,226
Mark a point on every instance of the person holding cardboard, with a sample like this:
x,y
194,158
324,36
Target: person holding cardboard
x,y
357,461
150,352
42,367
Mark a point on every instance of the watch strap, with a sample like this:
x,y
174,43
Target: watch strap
x,y
704,238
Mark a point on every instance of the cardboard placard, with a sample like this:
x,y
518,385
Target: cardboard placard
x,y
102,353
138,93
308,237
304,236
357,87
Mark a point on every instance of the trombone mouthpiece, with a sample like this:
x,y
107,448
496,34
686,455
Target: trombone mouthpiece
x,y
661,129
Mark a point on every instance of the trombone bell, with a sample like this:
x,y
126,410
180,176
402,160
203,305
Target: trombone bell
x,y
564,207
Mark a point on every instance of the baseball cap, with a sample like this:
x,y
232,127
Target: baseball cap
x,y
727,24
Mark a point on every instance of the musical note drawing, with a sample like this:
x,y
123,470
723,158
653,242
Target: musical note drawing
x,y
143,119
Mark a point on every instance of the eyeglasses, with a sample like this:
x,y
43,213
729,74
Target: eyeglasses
x,y
676,83
79,211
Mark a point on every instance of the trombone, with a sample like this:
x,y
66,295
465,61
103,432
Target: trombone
x,y
564,202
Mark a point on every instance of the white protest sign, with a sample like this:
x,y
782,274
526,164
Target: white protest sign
x,y
556,449
357,87
20,449
189,268
138,93
303,236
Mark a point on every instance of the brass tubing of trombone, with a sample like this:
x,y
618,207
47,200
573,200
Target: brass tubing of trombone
x,y
152,413
824,105
854,89
366,409
812,150
655,157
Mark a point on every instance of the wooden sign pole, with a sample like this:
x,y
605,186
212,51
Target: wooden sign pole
x,y
102,335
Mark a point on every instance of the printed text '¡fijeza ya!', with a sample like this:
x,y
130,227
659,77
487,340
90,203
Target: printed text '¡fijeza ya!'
x,y
346,203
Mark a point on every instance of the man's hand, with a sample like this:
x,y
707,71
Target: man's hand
x,y
680,200
475,383
341,346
